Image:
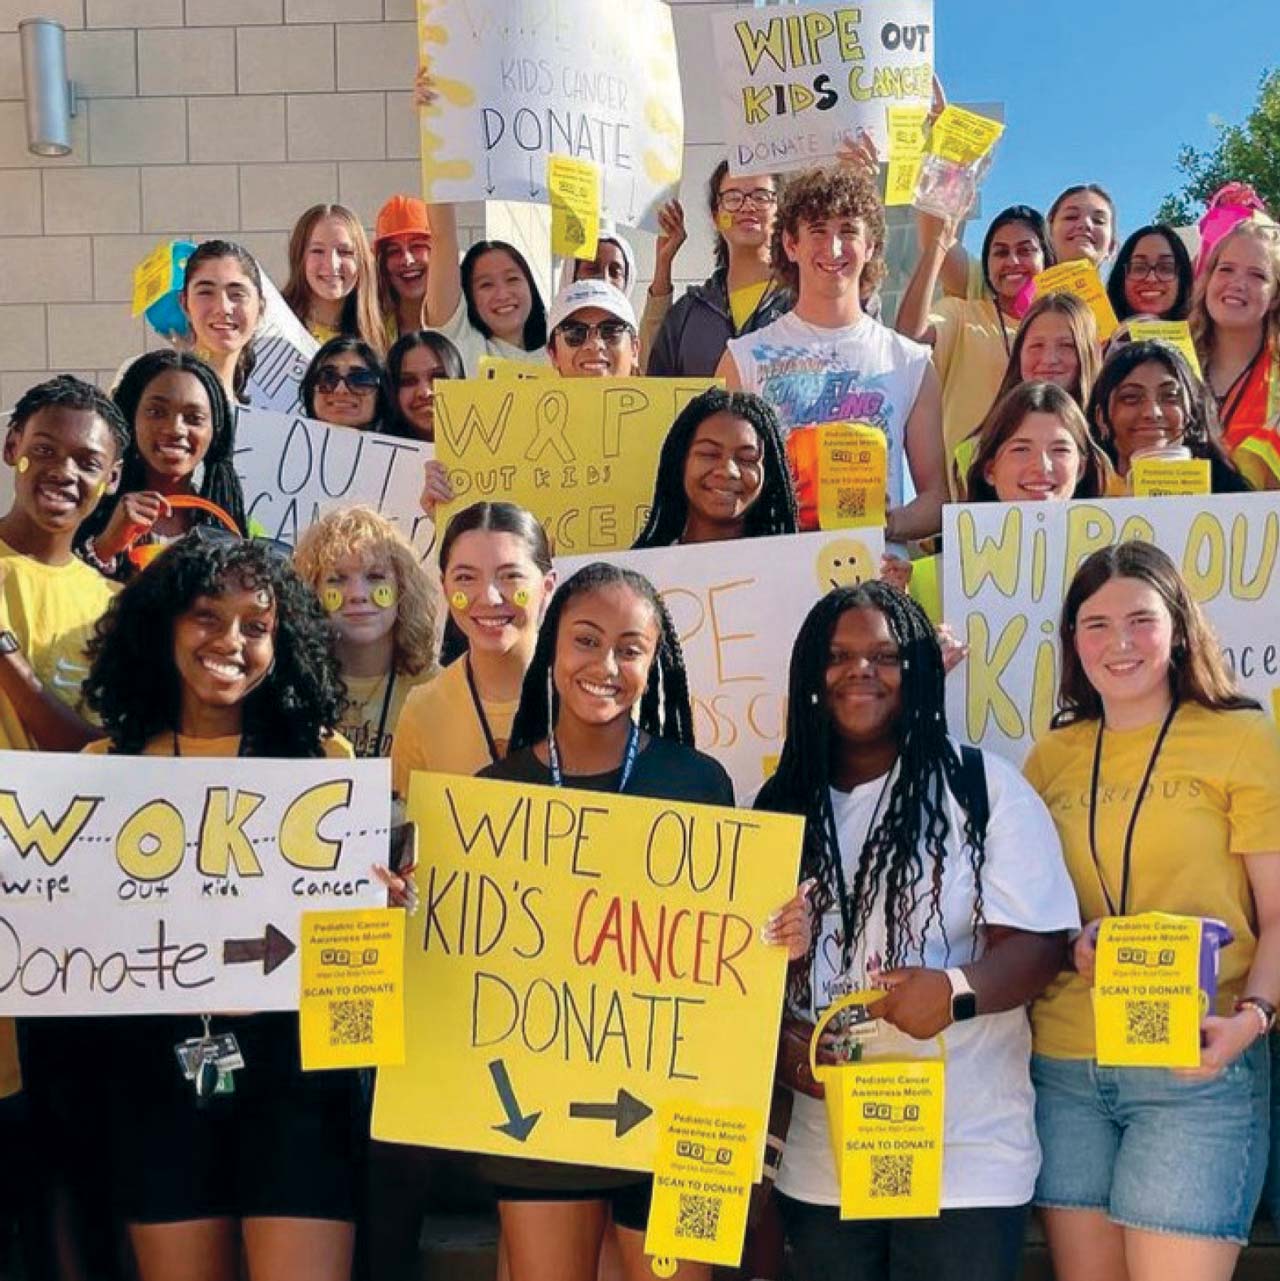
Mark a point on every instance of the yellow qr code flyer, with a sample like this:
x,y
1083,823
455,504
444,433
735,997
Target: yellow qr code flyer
x,y
702,1177
352,1002
1146,994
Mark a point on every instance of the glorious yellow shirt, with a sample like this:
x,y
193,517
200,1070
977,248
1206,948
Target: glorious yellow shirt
x,y
439,730
366,697
970,352
1214,795
52,610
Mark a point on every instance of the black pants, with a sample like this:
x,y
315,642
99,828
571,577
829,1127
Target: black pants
x,y
960,1245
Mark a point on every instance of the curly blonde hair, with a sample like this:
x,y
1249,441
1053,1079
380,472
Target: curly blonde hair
x,y
835,192
360,531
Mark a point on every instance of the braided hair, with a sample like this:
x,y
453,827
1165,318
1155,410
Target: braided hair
x,y
219,484
774,510
903,856
665,710
69,392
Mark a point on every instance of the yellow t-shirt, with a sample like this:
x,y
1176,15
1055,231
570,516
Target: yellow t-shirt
x,y
51,609
439,730
335,746
1213,797
365,697
10,1071
743,303
322,333
970,356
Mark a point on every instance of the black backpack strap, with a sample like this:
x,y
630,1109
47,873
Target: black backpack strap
x,y
973,781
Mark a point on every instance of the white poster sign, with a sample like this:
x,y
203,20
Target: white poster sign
x,y
282,349
176,885
1007,567
294,470
795,80
520,80
738,607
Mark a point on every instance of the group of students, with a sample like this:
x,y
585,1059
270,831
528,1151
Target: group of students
x,y
134,620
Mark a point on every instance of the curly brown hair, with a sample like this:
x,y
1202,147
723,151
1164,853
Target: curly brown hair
x,y
836,192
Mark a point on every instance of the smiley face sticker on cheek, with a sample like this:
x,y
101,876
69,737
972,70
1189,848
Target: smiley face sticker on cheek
x,y
724,220
383,595
520,597
460,601
331,599
23,464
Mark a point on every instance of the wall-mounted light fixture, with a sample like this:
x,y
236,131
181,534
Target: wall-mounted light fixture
x,y
50,97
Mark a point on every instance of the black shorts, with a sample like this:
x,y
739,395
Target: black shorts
x,y
514,1179
284,1143
629,1204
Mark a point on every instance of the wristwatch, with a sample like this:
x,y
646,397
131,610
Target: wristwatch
x,y
9,643
964,1002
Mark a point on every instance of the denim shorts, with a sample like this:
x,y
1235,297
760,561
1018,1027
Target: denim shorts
x,y
1153,1150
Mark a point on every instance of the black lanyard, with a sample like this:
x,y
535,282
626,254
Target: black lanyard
x,y
848,910
374,746
1125,866
1004,333
628,758
1228,403
480,716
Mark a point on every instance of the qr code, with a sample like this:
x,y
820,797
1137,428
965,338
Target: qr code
x,y
891,1175
351,1022
699,1217
1146,1022
851,502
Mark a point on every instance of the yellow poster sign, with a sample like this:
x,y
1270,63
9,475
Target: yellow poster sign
x,y
580,959
906,151
573,185
495,368
1146,992
351,1007
1169,477
153,278
702,1180
963,136
1177,333
1081,279
853,464
580,453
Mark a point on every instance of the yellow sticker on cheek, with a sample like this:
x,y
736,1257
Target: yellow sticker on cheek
x,y
331,599
459,600
23,464
521,596
383,595
724,221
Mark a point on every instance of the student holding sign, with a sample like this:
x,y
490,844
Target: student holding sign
x,y
223,299
743,294
606,649
1235,322
219,649
382,605
972,338
1035,446
496,571
939,883
1147,398
489,304
1152,276
1161,779
182,444
345,386
333,283
722,474
827,360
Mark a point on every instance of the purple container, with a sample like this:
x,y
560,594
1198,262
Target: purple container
x,y
1214,936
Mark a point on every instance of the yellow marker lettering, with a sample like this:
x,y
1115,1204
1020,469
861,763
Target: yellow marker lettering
x,y
222,836
300,841
150,844
50,840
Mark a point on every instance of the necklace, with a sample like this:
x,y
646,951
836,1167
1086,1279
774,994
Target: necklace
x,y
1127,849
1230,399
373,748
628,758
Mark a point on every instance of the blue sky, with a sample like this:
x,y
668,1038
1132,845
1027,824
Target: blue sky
x,y
1102,92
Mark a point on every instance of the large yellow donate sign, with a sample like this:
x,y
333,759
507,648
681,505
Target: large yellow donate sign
x,y
579,959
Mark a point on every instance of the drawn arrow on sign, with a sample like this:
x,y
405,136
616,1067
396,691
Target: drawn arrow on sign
x,y
625,1114
533,184
488,175
517,1126
273,949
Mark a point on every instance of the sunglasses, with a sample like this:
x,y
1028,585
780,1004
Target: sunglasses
x,y
611,332
216,536
360,382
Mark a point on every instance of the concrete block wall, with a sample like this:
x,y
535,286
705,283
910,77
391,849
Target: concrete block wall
x,y
198,118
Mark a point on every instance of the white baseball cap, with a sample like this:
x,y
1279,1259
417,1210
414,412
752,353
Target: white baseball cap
x,y
590,293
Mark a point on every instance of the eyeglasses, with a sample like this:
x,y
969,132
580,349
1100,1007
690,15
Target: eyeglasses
x,y
1163,269
360,382
761,197
611,332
